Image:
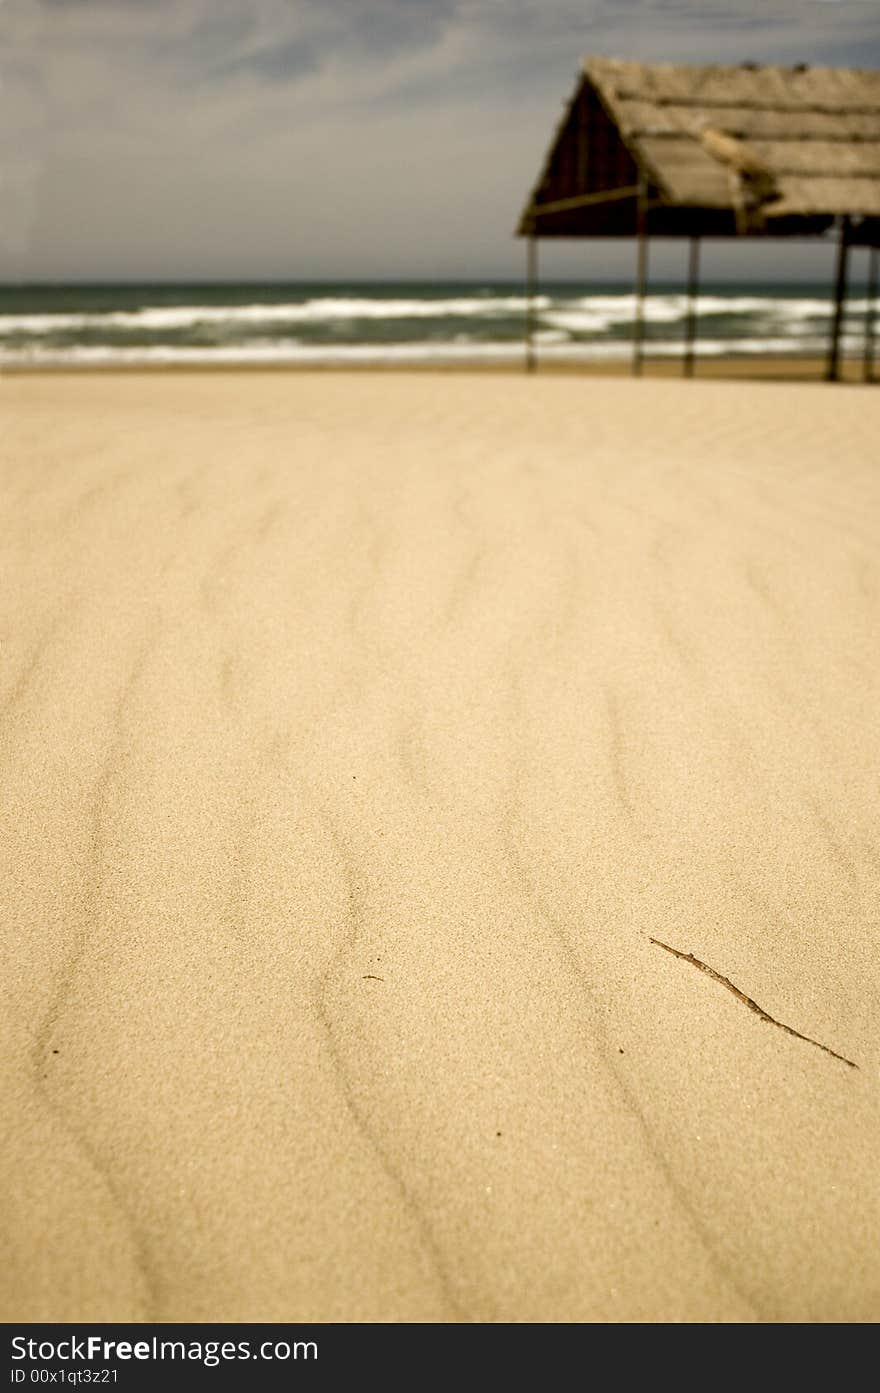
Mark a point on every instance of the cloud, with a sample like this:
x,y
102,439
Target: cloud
x,y
372,48
154,130
285,42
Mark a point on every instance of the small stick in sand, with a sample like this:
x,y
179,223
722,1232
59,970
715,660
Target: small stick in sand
x,y
747,1001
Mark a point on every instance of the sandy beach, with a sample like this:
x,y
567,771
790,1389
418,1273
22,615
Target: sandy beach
x,y
419,792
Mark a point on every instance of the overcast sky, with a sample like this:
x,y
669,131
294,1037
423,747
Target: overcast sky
x,y
309,139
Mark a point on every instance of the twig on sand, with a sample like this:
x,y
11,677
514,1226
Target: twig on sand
x,y
747,1001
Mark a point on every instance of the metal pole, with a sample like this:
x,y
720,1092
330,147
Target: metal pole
x,y
641,280
690,328
868,365
531,291
832,372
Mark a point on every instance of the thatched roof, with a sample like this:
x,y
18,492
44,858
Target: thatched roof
x,y
756,149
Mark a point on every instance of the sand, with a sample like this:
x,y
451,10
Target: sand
x,y
359,734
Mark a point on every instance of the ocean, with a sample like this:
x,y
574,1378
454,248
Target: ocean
x,y
406,322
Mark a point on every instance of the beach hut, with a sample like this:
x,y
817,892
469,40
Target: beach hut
x,y
658,150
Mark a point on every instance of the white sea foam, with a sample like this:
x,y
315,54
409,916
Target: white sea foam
x,y
322,310
288,353
272,352
714,348
597,313
590,314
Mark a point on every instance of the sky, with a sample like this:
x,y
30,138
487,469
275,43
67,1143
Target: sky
x,y
339,139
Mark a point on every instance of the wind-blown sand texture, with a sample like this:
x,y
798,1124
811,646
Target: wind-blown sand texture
x,y
359,733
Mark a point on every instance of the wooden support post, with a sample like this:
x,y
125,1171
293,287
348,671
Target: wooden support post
x,y
690,331
832,372
531,291
641,280
870,314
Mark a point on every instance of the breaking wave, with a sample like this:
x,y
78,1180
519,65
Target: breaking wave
x,y
103,326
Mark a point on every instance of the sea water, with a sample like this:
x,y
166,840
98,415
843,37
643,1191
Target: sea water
x,y
407,322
